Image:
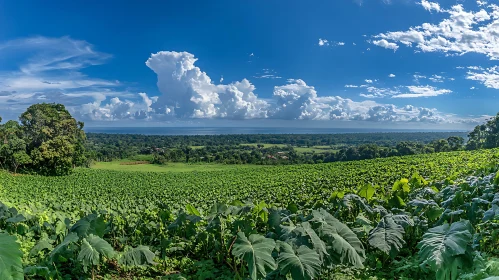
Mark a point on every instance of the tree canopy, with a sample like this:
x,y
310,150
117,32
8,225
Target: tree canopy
x,y
485,135
46,140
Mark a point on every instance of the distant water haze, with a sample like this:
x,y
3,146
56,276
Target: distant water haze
x,y
243,130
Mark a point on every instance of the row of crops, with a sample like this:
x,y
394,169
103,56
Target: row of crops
x,y
327,221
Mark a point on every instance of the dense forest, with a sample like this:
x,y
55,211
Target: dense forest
x,y
140,141
269,149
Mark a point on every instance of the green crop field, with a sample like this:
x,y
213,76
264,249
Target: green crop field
x,y
122,165
344,220
280,185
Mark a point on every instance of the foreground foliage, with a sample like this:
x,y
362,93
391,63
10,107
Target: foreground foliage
x,y
313,228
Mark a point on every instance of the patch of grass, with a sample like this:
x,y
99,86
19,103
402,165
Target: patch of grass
x,y
140,158
312,149
169,167
265,145
197,147
322,147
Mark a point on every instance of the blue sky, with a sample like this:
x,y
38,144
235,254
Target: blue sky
x,y
366,63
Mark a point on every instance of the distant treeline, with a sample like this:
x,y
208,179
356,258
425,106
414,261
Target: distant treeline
x,y
298,140
230,149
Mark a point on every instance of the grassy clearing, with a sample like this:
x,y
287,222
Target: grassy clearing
x,y
197,147
313,149
140,158
170,167
265,145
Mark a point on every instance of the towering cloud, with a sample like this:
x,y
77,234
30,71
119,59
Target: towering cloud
x,y
189,93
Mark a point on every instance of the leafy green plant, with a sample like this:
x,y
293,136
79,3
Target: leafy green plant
x,y
302,263
256,251
388,236
445,249
10,258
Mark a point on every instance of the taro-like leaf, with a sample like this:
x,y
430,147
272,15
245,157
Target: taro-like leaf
x,y
16,219
367,191
319,245
11,267
256,251
442,244
344,243
91,224
388,236
92,248
191,210
138,256
42,271
69,239
304,263
43,244
492,213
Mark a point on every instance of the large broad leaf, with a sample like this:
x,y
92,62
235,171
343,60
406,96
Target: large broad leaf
x,y
367,191
440,245
257,252
274,219
401,186
17,219
92,247
396,202
69,239
91,224
344,243
304,263
319,245
11,267
42,271
43,244
403,220
138,256
350,200
388,236
191,210
492,213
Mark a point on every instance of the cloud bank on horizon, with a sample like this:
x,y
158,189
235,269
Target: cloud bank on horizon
x,y
189,92
52,70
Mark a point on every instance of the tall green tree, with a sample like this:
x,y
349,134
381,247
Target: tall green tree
x,y
485,135
456,143
12,147
54,138
441,145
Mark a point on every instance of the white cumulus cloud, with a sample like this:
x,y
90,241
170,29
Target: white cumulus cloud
x,y
488,77
189,92
385,44
430,5
459,32
422,91
323,42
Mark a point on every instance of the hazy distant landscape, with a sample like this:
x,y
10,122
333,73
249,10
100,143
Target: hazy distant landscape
x,y
249,130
